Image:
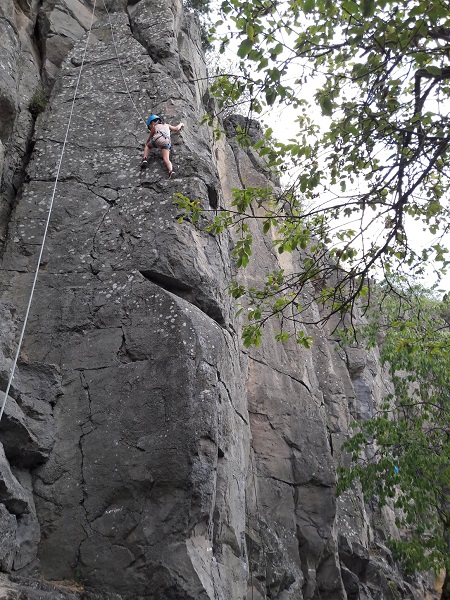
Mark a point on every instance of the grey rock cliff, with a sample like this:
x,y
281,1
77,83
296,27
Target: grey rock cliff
x,y
142,450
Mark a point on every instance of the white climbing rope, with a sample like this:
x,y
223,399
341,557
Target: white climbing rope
x,y
19,347
120,67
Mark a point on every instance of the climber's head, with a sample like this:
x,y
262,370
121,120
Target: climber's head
x,y
152,119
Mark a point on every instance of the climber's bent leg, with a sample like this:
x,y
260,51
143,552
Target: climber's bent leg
x,y
165,153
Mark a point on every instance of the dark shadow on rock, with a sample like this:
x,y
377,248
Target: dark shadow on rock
x,y
185,291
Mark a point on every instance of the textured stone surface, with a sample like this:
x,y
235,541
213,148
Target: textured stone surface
x,y
19,79
32,589
300,406
8,533
60,25
145,452
150,384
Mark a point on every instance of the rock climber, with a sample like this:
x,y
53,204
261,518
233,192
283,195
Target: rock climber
x,y
160,138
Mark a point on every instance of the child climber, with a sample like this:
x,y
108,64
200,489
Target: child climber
x,y
160,138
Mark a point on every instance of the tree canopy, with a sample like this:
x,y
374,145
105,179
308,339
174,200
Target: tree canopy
x,y
372,172
401,454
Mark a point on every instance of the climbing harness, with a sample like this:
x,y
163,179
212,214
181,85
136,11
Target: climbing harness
x,y
19,347
163,139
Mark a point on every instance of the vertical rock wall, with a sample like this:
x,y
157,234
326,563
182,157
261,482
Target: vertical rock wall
x,y
143,452
130,319
304,542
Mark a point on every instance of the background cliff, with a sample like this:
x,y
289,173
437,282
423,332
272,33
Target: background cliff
x,y
143,452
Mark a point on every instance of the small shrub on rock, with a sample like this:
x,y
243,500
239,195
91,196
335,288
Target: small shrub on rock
x,y
38,103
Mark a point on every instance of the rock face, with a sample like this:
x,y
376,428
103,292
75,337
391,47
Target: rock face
x,y
143,451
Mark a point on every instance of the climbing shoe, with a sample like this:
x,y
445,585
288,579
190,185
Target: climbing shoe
x,y
144,163
170,175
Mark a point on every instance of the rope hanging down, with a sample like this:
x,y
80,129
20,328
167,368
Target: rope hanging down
x,y
120,66
19,347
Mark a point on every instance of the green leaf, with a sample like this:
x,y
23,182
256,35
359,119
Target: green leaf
x,y
252,335
326,105
368,8
244,48
277,50
271,96
435,71
282,336
304,340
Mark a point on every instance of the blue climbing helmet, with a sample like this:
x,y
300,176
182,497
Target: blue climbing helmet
x,y
151,119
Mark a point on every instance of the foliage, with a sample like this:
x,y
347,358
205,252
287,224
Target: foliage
x,y
38,103
223,71
278,292
402,454
374,163
204,36
198,6
281,295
